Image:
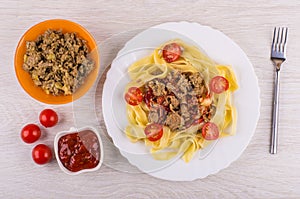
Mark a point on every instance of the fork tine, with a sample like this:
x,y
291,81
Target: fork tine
x,y
274,36
274,39
279,33
281,39
285,38
277,37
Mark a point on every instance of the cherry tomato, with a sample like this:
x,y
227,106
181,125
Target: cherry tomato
x,y
210,131
41,154
48,118
30,133
134,96
219,84
171,52
154,132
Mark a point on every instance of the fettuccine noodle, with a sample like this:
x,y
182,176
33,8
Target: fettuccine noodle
x,y
189,140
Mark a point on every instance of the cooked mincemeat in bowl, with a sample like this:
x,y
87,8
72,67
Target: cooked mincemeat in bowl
x,y
58,62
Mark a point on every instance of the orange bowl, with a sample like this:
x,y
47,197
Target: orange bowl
x,y
24,77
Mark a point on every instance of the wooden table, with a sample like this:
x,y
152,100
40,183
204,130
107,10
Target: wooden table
x,y
256,174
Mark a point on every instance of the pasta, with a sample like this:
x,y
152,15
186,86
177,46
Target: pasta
x,y
175,91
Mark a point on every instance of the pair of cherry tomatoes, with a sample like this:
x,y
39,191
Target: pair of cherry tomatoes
x,y
154,132
30,133
135,96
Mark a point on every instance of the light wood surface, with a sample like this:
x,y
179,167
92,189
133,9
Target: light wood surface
x,y
256,174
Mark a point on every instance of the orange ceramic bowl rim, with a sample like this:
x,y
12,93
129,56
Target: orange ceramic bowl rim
x,y
24,77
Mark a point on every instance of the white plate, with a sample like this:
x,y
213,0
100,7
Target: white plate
x,y
246,99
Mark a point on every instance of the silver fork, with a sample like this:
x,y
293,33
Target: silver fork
x,y
278,56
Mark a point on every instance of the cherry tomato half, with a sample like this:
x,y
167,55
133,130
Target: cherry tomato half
x,y
30,133
41,154
48,118
154,132
134,96
171,52
210,131
219,84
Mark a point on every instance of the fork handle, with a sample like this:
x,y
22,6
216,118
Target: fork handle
x,y
274,133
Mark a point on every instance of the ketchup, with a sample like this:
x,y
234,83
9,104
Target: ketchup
x,y
79,150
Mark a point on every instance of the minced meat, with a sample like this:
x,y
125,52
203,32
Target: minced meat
x,y
58,62
177,100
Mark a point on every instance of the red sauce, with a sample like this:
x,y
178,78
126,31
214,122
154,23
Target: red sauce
x,y
78,151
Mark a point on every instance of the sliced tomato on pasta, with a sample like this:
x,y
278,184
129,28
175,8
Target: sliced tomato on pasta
x,y
171,52
154,132
219,84
134,96
210,131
